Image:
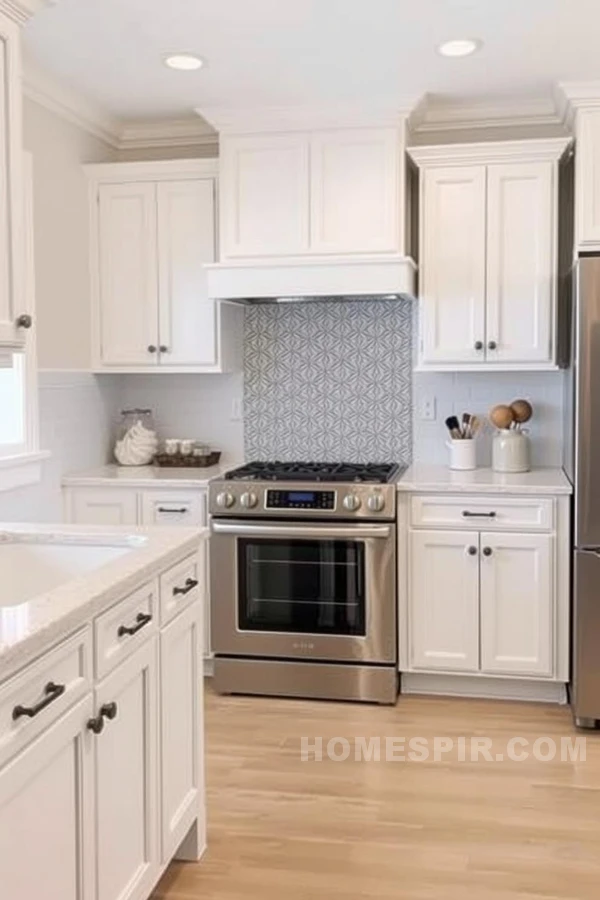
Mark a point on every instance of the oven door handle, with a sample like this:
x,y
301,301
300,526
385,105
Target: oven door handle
x,y
346,532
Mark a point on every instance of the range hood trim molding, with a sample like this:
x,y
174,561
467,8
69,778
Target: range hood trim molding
x,y
312,277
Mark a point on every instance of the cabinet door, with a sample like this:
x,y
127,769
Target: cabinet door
x,y
47,814
521,269
587,190
102,506
174,508
127,753
444,600
517,604
12,199
452,327
181,727
128,283
265,195
354,191
186,241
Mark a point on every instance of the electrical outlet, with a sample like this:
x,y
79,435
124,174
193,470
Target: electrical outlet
x,y
427,409
237,409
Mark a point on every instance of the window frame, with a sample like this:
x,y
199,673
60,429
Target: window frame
x,y
25,465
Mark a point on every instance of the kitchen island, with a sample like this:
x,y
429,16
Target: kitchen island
x,y
101,721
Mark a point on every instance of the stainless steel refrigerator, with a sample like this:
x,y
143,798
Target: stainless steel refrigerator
x,y
582,464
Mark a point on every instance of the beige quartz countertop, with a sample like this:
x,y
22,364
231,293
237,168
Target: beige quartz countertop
x,y
441,479
29,629
147,476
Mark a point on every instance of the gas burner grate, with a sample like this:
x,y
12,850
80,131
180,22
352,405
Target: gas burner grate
x,y
377,473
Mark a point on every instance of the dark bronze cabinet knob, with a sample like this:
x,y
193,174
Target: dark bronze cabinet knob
x,y
472,551
151,348
96,725
163,348
492,345
479,345
109,711
24,321
487,551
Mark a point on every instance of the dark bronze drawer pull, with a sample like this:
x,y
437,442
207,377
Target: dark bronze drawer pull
x,y
179,512
190,584
141,619
478,515
52,692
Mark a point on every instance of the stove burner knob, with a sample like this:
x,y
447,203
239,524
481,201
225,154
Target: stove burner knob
x,y
351,502
225,500
249,500
375,502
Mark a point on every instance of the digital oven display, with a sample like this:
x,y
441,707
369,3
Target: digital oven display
x,y
300,499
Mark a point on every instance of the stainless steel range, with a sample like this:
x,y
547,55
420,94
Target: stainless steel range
x,y
303,580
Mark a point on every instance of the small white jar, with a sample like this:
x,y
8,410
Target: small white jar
x,y
511,451
462,454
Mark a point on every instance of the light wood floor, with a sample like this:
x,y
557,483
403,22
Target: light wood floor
x,y
282,828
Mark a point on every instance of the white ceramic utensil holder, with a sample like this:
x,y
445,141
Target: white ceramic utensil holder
x,y
462,454
511,452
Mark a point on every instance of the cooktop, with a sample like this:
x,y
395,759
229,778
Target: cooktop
x,y
376,473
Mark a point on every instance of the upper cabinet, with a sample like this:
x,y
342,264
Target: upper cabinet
x,y
308,193
13,302
488,268
153,229
587,184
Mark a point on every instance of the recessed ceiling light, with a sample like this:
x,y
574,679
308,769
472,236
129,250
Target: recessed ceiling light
x,y
186,62
460,47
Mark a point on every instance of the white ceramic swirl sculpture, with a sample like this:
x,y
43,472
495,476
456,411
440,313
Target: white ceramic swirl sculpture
x,y
137,447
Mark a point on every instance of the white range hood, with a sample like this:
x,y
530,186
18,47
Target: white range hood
x,y
296,279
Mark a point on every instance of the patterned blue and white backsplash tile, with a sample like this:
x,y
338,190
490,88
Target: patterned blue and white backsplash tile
x,y
329,380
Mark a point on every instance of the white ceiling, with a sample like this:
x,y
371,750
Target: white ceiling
x,y
310,52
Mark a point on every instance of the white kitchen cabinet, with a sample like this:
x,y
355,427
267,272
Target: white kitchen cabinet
x,y
444,600
265,195
587,179
108,506
186,240
173,507
128,289
488,591
521,224
47,814
489,255
127,779
153,229
453,272
312,193
181,726
13,301
354,180
159,506
517,603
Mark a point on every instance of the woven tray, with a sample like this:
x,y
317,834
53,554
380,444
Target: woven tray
x,y
177,461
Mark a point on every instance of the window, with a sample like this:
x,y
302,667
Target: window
x,y
13,432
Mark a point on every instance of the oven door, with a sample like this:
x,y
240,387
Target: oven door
x,y
310,590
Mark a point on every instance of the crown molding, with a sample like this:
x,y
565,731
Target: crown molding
x,y
184,132
551,149
573,96
435,113
44,89
249,120
21,11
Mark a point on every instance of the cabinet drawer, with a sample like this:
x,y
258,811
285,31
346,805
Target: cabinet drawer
x,y
179,587
523,513
121,629
36,697
174,508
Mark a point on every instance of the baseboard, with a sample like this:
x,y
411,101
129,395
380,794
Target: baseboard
x,y
481,686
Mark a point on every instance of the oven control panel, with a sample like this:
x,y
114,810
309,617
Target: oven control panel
x,y
300,499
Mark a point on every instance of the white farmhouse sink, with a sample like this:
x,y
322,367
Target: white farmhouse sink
x,y
33,566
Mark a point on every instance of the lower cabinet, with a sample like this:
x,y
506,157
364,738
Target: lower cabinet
x,y
444,600
181,727
482,602
158,506
517,608
95,806
126,783
47,814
